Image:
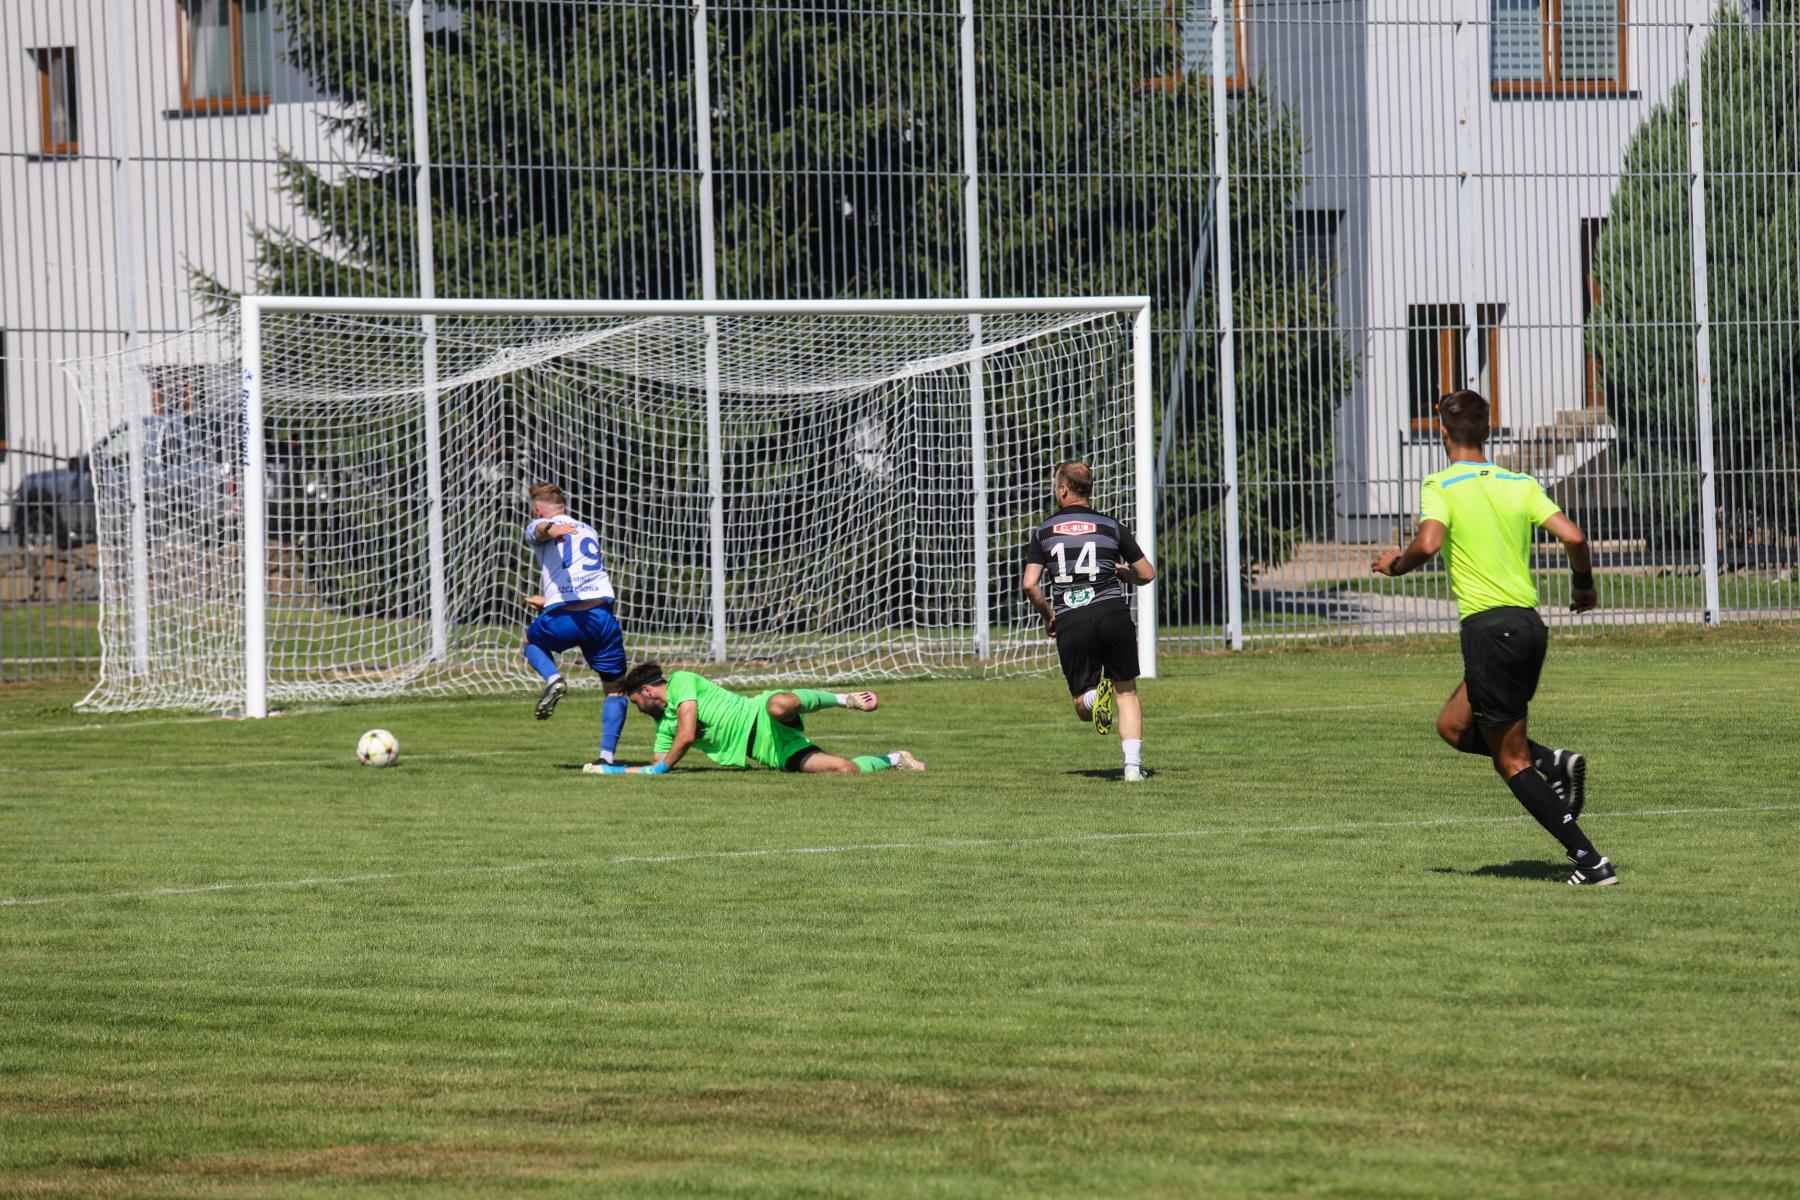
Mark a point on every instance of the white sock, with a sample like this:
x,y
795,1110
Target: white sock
x,y
1134,751
1087,699
606,756
843,699
556,678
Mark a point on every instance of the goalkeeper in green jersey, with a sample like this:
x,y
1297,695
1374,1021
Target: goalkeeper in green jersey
x,y
735,731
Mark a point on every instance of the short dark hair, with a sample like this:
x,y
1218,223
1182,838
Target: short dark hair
x,y
639,676
1076,477
1465,417
551,492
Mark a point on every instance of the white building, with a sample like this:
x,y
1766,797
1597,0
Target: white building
x,y
140,141
1466,152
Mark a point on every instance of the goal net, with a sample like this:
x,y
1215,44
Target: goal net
x,y
784,492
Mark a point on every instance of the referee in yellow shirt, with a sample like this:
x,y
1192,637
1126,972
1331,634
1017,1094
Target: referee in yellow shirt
x,y
1482,516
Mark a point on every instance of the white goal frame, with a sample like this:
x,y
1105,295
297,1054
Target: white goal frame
x,y
252,308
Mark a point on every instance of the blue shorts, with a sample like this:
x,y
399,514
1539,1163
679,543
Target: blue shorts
x,y
594,630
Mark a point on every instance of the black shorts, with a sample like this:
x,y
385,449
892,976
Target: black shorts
x,y
1503,655
1089,640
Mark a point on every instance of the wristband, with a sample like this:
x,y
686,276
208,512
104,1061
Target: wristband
x,y
611,769
661,768
1582,580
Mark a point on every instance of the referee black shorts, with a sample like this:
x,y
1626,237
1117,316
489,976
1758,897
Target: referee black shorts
x,y
1090,640
1503,655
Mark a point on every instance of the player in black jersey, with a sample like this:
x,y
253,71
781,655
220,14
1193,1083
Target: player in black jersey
x,y
1091,557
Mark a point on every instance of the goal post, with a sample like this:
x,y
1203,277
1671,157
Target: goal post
x,y
799,488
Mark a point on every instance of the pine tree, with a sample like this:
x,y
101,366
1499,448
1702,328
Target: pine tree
x,y
562,140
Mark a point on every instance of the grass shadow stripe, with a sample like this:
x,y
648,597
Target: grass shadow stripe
x,y
1338,827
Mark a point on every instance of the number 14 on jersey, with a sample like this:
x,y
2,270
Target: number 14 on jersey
x,y
1085,563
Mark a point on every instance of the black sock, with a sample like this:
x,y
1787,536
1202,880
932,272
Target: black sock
x,y
1552,814
1543,758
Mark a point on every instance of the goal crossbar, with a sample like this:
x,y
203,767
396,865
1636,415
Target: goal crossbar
x,y
253,308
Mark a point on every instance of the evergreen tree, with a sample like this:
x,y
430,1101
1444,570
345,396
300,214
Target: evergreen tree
x,y
562,136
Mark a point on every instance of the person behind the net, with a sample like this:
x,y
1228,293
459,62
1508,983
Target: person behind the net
x,y
1483,517
575,610
692,712
1090,558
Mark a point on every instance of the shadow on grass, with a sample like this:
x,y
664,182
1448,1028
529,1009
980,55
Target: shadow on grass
x,y
1114,773
1518,868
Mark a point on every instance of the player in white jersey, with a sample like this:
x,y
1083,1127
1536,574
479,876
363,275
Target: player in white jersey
x,y
574,610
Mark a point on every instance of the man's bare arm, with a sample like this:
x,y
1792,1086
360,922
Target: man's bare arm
x,y
1139,572
1032,586
687,731
1426,543
1583,596
551,529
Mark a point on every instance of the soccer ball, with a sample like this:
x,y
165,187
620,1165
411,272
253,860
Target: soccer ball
x,y
378,748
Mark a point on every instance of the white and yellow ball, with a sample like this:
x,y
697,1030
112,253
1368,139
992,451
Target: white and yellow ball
x,y
378,748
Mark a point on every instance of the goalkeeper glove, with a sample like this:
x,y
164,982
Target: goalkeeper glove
x,y
660,768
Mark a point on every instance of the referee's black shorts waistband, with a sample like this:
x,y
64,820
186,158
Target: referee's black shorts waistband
x,y
1500,615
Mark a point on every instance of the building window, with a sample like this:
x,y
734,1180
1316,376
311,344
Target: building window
x,y
1434,357
57,117
1191,21
225,55
1314,244
1558,47
1594,387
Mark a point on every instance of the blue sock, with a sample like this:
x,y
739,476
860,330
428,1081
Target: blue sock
x,y
541,662
612,722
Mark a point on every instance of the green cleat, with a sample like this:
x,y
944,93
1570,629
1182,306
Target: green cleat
x,y
1103,707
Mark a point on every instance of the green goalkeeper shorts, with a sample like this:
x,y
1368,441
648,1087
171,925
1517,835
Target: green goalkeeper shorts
x,y
776,746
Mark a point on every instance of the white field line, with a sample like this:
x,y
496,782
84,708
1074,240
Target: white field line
x,y
230,764
861,848
1156,717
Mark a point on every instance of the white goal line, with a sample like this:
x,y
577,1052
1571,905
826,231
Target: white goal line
x,y
943,844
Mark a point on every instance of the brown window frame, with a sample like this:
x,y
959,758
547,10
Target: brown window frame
x,y
239,101
1449,332
51,147
1237,81
1553,84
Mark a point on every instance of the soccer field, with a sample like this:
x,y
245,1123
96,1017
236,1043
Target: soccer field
x,y
1318,953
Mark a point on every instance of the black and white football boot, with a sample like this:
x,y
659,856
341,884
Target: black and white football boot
x,y
1567,777
553,691
1599,874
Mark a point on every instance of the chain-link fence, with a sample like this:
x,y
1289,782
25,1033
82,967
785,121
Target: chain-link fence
x,y
1341,208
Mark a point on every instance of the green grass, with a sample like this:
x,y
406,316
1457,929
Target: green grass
x,y
1318,954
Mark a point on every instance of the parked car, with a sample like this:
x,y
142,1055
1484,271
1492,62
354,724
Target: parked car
x,y
56,506
190,478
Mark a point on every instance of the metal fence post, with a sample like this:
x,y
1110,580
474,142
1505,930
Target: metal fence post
x,y
434,435
1703,410
1228,449
981,618
121,91
1468,79
709,290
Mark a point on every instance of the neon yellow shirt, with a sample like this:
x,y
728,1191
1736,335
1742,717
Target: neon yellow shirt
x,y
725,719
1488,514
